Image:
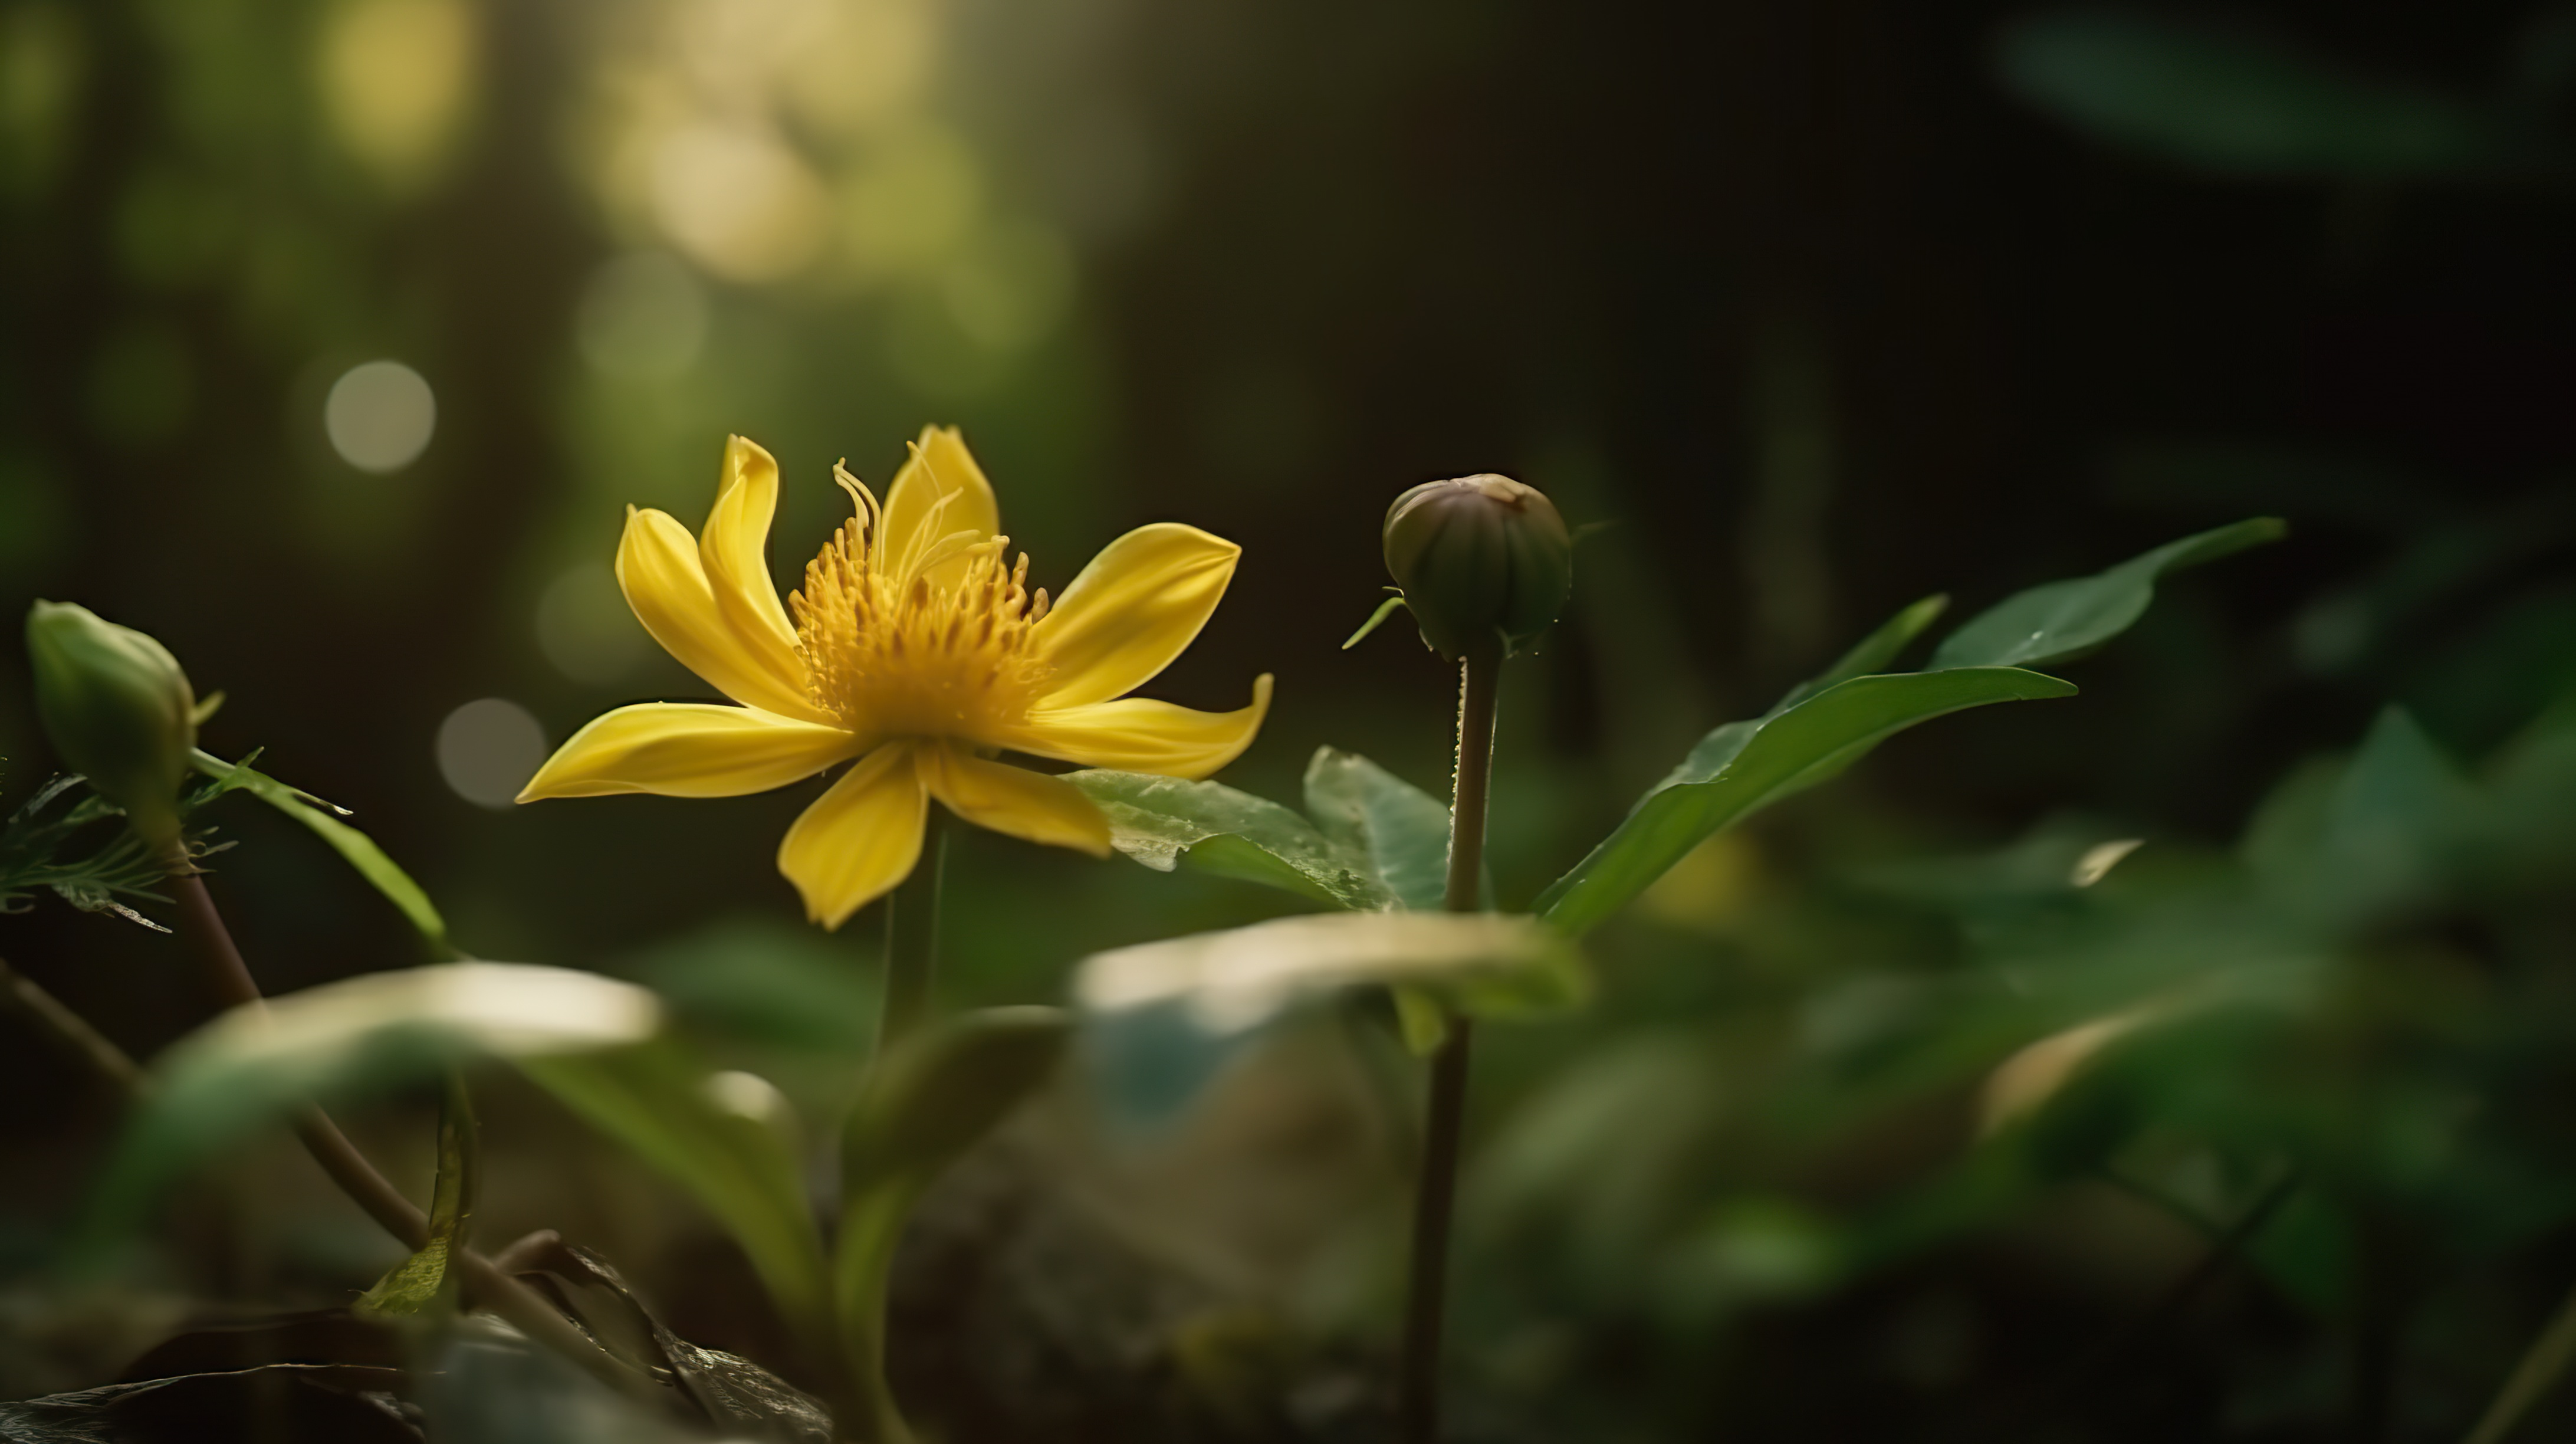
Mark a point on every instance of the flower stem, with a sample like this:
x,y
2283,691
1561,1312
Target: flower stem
x,y
872,1223
870,1231
1418,1388
485,1284
912,938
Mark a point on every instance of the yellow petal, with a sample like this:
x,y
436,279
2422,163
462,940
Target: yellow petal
x,y
688,749
1133,610
735,548
659,569
859,838
1013,800
915,518
1138,735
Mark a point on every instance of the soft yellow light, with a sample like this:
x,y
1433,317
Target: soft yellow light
x,y
394,76
737,201
869,61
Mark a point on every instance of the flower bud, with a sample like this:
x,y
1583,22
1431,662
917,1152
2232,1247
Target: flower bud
x,y
119,710
1480,558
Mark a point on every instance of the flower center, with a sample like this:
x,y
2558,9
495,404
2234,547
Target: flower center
x,y
892,650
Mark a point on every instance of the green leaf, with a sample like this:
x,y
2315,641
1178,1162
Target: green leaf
x,y
419,1281
1159,820
259,1064
1745,766
1873,652
1161,1019
355,847
1376,619
1368,812
2061,621
2226,100
729,1138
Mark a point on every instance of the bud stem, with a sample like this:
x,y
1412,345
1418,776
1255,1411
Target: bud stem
x,y
1435,1193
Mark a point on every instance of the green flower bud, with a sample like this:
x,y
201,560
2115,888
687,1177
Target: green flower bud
x,y
119,710
1479,558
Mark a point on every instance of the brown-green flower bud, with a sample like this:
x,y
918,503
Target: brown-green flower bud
x,y
119,710
1481,559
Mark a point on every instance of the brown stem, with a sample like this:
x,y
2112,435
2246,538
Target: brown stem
x,y
70,1029
1435,1195
484,1283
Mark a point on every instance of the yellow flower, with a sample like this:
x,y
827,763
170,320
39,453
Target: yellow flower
x,y
916,648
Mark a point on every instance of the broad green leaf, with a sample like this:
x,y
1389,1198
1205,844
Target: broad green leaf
x,y
729,1138
1161,1019
355,847
1873,652
2061,621
418,1281
1159,820
1369,812
256,1065
2223,99
1744,766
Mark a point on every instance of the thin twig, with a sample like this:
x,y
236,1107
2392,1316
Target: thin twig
x,y
396,1214
2534,1374
70,1029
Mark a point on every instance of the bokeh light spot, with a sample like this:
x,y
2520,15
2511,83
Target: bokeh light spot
x,y
644,316
487,750
380,416
584,627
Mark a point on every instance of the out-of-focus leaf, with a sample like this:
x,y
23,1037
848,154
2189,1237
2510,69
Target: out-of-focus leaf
x,y
1159,820
258,1064
2222,99
1370,812
729,1138
2061,621
761,978
1871,653
1160,1019
418,1281
937,1092
2369,839
2023,1084
1744,766
1600,1147
355,848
